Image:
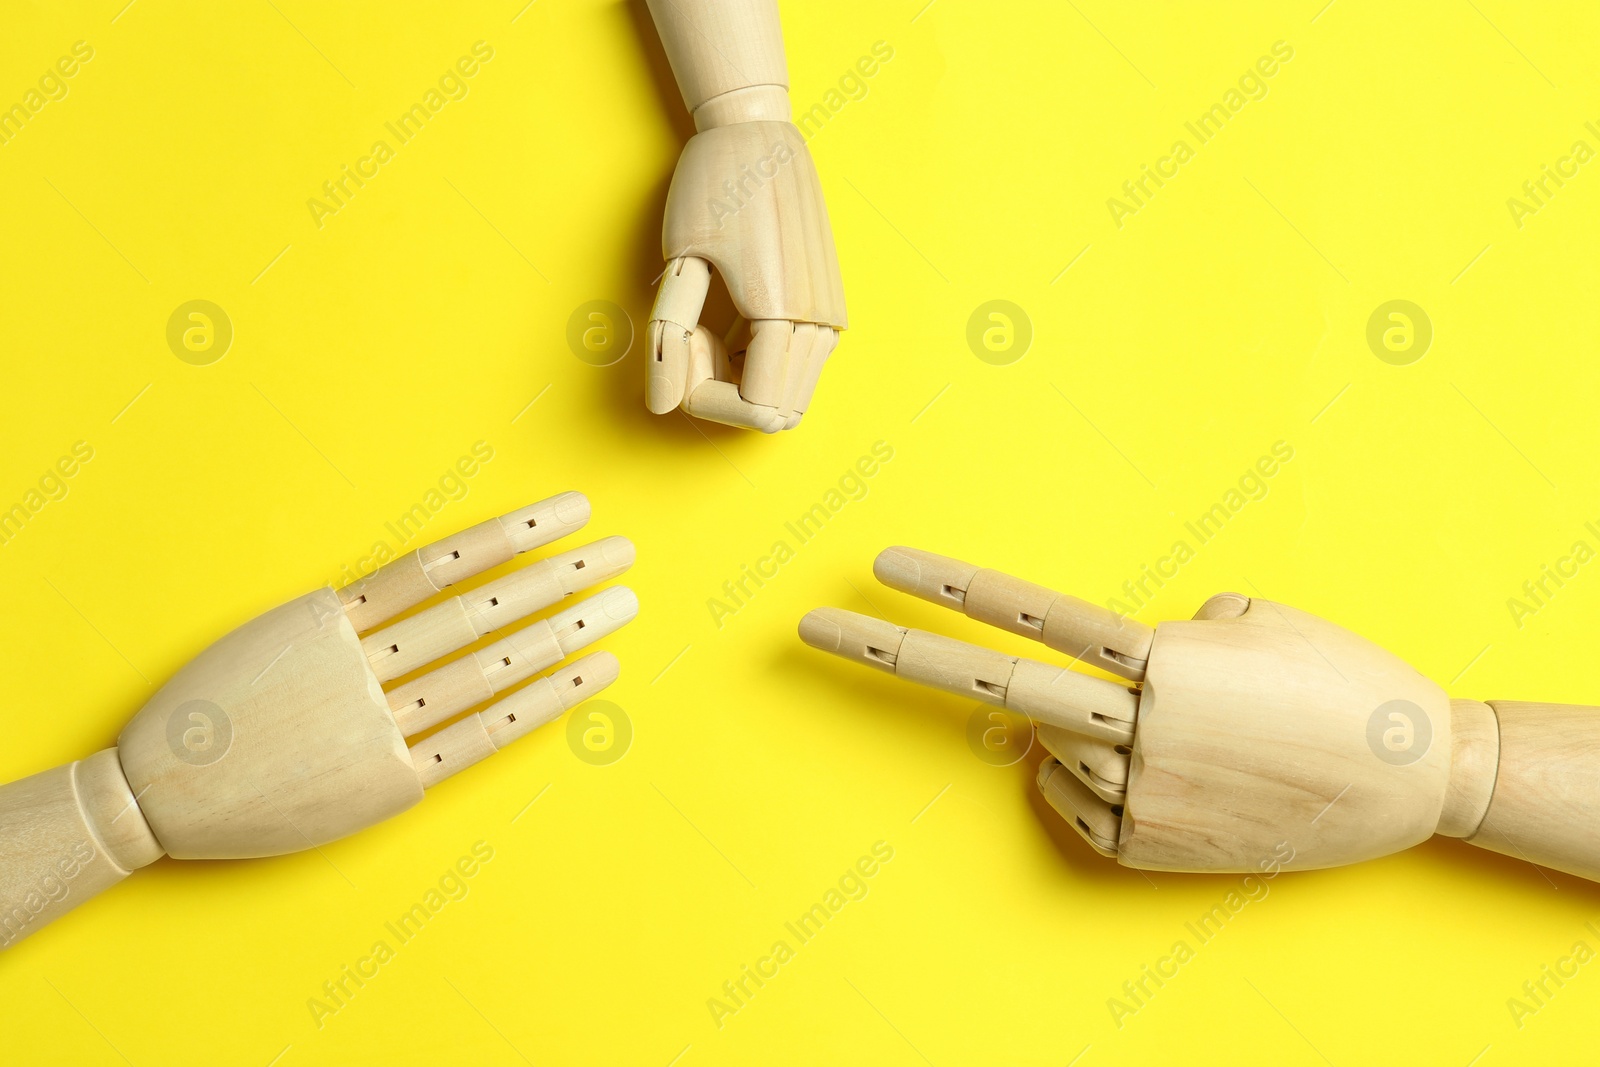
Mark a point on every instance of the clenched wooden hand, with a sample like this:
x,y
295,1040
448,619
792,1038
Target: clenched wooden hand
x,y
745,204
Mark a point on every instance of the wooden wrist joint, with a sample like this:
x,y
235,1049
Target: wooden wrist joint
x,y
112,813
753,103
1474,757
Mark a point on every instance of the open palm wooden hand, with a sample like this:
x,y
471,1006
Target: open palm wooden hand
x,y
281,736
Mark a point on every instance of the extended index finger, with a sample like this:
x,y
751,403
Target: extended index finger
x,y
1082,630
1092,707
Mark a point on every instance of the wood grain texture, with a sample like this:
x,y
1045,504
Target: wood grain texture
x,y
1087,632
1254,730
312,752
1260,736
65,835
1474,754
719,46
1546,802
747,199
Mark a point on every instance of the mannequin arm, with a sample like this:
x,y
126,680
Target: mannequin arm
x,y
65,835
1538,768
728,58
282,735
745,205
1254,734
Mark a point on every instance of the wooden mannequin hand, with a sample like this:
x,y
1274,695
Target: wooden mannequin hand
x,y
1256,736
280,736
745,200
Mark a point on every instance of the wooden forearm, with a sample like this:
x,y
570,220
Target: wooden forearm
x,y
65,835
728,58
1542,783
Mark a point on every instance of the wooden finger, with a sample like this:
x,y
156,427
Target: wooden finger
x,y
1046,693
411,643
1085,631
713,389
766,362
802,342
827,339
1223,606
682,296
424,702
735,340
732,351
720,402
708,359
461,744
1099,764
413,578
668,375
1096,821
679,302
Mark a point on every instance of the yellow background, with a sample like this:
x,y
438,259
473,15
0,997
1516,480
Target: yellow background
x,y
1227,314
